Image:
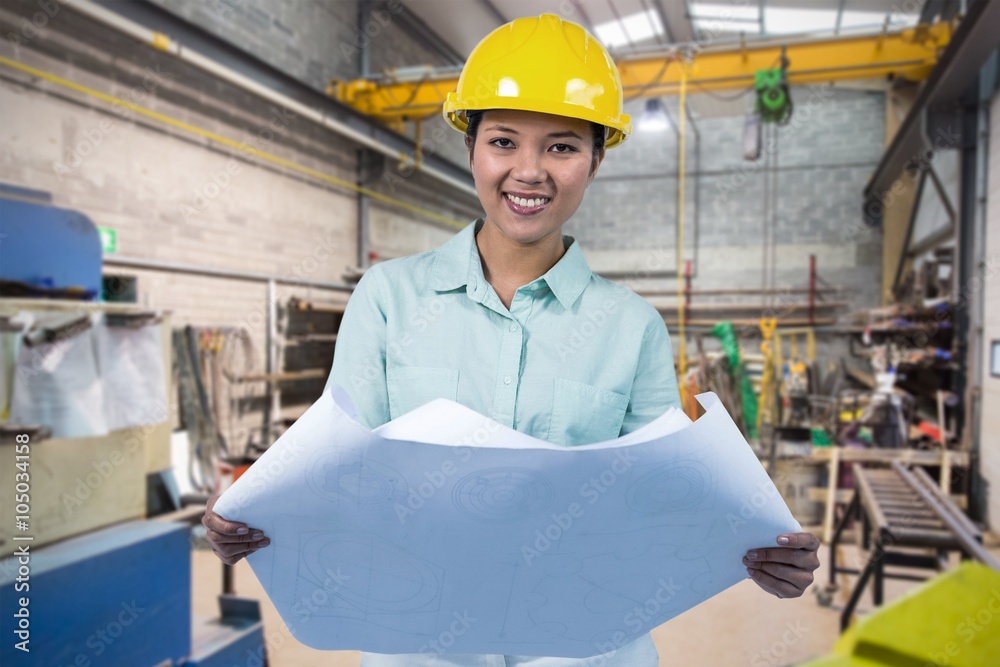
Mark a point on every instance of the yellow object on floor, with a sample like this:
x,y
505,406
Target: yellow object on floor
x,y
953,620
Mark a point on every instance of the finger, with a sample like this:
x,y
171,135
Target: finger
x,y
800,557
216,537
220,525
780,588
234,559
806,541
230,550
227,558
797,577
230,560
752,575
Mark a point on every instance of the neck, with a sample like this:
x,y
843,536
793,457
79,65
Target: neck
x,y
510,263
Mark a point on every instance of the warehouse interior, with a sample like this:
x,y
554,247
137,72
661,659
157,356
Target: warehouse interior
x,y
190,192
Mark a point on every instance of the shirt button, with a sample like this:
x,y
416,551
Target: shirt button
x,y
513,327
506,379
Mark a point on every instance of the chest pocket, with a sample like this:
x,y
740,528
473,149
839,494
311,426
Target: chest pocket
x,y
410,387
583,414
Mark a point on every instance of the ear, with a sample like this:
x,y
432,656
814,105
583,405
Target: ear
x,y
468,148
595,164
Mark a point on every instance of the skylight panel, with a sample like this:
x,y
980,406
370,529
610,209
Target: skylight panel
x,y
633,28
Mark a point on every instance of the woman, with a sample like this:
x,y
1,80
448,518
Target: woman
x,y
506,317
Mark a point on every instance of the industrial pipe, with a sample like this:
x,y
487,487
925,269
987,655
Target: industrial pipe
x,y
163,43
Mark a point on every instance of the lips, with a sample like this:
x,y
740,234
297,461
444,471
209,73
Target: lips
x,y
526,203
528,200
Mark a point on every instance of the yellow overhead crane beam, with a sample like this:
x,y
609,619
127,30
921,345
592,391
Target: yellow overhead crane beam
x,y
401,96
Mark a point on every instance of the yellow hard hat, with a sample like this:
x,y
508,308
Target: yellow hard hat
x,y
544,64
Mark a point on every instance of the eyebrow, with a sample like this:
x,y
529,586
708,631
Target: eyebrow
x,y
553,135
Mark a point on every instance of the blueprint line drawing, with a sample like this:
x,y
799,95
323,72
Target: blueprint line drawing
x,y
502,495
412,584
356,480
675,487
656,540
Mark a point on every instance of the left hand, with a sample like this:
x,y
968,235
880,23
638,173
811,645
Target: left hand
x,y
785,571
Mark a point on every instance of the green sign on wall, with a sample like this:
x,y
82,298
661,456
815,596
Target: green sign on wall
x,y
109,239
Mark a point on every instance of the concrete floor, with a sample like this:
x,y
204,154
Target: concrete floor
x,y
741,626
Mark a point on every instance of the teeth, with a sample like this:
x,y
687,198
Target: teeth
x,y
521,201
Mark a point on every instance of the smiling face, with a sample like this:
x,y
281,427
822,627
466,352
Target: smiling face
x,y
531,171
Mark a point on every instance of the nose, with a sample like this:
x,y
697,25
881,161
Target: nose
x,y
528,168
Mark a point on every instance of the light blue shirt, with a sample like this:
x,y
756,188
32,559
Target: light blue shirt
x,y
576,359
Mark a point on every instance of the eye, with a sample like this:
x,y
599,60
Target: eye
x,y
496,142
563,148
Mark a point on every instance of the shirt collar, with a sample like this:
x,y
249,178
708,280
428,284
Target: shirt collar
x,y
457,263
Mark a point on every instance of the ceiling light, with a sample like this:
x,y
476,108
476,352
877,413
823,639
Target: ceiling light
x,y
654,119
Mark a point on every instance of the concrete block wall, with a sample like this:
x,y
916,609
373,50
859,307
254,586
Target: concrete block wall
x,y
318,40
174,196
313,40
824,158
160,187
628,219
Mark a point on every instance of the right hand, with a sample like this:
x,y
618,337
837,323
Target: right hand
x,y
231,540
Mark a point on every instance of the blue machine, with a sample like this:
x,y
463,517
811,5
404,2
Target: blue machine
x,y
120,596
48,247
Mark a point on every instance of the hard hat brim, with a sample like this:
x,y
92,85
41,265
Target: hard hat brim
x,y
455,110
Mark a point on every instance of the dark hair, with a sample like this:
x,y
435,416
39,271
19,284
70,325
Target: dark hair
x,y
476,117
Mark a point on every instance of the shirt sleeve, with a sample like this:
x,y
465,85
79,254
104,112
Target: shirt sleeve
x,y
654,389
359,353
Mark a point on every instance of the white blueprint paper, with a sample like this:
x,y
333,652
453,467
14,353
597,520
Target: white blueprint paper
x,y
131,365
57,384
493,541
